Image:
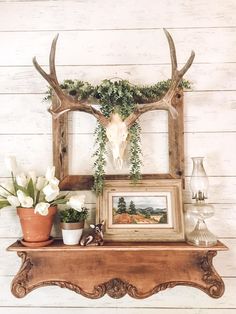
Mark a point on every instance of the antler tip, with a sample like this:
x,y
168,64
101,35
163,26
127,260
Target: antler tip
x,y
166,32
35,63
55,39
54,115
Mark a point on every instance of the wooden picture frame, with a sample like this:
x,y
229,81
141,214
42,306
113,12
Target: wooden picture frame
x,y
157,214
85,182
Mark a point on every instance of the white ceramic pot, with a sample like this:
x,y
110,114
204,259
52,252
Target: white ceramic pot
x,y
72,232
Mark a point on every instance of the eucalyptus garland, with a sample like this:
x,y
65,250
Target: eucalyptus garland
x,y
121,97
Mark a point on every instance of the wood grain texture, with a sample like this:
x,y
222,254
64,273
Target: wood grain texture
x,y
224,262
126,14
120,47
58,246
85,182
102,310
25,79
119,276
60,142
176,139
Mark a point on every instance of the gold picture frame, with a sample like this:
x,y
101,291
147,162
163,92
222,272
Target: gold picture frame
x,y
149,211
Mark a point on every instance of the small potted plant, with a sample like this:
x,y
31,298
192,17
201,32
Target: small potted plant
x,y
72,219
35,199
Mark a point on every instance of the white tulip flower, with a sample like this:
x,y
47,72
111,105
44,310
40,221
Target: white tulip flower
x,y
42,208
13,201
50,173
51,191
40,184
54,181
76,202
21,180
11,164
25,201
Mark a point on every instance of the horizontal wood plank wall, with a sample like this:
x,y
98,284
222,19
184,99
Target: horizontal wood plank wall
x,y
106,39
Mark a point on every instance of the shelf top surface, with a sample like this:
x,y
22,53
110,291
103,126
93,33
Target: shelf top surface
x,y
58,245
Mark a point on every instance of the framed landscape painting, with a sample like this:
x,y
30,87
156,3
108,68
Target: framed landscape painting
x,y
151,210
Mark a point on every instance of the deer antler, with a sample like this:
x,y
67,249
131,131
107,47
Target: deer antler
x,y
67,103
165,102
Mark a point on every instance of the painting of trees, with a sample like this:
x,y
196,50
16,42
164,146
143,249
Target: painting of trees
x,y
121,206
132,208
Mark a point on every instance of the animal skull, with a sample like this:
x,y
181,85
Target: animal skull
x,y
117,133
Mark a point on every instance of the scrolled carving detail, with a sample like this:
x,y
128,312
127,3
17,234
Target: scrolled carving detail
x,y
215,285
134,293
19,284
98,291
117,288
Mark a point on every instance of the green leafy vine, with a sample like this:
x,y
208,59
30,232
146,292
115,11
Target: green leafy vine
x,y
120,97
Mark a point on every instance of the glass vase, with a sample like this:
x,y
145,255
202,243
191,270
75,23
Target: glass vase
x,y
200,235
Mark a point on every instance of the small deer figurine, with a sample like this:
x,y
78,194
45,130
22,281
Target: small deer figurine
x,y
95,238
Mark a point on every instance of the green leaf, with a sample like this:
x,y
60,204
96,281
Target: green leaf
x,y
37,197
61,197
30,188
59,201
21,188
72,215
13,181
4,203
10,193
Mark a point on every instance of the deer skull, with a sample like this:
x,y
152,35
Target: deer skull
x,y
117,133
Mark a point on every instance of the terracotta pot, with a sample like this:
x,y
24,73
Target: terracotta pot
x,y
35,227
72,232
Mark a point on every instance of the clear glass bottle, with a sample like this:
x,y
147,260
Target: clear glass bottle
x,y
199,182
200,235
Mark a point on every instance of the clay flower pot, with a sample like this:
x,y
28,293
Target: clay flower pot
x,y
36,228
72,232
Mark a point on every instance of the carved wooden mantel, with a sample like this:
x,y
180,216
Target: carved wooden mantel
x,y
137,269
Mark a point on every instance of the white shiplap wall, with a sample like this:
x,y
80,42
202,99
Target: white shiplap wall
x,y
105,39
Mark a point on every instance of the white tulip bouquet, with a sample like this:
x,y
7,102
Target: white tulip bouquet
x,y
30,191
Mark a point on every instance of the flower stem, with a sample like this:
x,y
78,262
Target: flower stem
x,y
13,182
7,190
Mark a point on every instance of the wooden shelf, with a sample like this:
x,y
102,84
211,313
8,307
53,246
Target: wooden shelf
x,y
137,269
